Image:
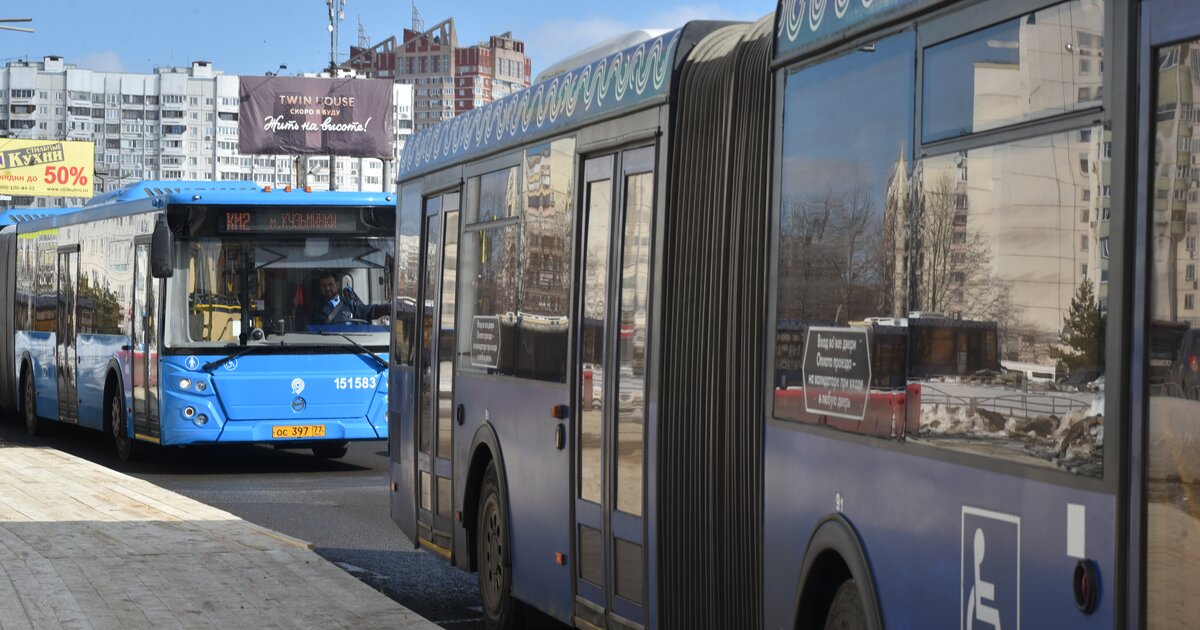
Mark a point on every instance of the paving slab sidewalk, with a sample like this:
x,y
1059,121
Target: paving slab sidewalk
x,y
84,546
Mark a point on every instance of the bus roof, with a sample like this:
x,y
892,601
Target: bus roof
x,y
616,83
145,196
226,192
17,216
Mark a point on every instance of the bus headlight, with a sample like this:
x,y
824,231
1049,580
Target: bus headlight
x,y
201,420
185,383
189,412
201,386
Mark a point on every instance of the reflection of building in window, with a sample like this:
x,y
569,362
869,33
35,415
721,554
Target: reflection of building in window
x,y
1174,201
1026,229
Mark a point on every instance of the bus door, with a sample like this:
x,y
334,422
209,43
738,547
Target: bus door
x,y
435,452
610,374
66,357
144,345
1168,161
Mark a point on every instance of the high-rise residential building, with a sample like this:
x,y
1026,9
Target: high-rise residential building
x,y
447,79
176,123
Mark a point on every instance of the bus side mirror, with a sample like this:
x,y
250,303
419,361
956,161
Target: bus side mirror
x,y
161,249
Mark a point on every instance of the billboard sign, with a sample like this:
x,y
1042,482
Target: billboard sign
x,y
46,168
301,115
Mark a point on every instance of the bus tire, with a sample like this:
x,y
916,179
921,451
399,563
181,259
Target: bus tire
x,y
330,450
29,402
125,444
846,610
500,609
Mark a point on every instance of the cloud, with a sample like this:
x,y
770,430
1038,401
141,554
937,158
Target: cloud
x,y
551,41
107,61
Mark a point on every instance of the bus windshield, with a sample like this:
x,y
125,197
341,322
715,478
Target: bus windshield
x,y
327,290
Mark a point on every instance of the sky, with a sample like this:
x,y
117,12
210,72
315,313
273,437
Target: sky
x,y
253,37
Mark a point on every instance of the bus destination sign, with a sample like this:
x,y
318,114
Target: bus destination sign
x,y
307,220
837,372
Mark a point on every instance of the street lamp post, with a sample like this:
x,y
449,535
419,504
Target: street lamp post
x,y
337,13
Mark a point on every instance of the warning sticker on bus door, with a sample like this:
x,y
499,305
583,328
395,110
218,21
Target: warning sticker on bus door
x,y
485,341
837,372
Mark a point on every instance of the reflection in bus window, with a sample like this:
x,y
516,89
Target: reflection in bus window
x,y
844,185
1003,246
594,332
631,342
1173,364
1014,71
515,254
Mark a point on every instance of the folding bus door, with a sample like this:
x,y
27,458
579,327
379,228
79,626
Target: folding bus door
x,y
143,364
611,363
1170,167
435,447
66,357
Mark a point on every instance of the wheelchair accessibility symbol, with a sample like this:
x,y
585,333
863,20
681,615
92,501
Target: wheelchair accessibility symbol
x,y
990,585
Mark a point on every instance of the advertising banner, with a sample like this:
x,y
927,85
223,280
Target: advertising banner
x,y
300,115
46,168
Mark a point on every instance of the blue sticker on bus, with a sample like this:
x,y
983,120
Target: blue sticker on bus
x,y
990,586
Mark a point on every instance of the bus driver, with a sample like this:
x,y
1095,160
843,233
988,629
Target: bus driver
x,y
340,305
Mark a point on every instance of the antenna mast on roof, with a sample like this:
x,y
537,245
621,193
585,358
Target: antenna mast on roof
x,y
364,40
22,29
418,24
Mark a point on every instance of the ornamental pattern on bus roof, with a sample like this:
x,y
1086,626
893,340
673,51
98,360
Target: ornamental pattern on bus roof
x,y
621,79
802,23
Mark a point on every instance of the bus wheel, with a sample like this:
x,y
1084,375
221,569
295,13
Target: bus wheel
x,y
500,610
120,426
330,450
846,611
29,403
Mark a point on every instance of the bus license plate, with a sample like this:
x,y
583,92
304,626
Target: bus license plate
x,y
298,431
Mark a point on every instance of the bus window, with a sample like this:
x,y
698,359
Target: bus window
x,y
832,231
515,265
236,289
993,252
969,79
1173,361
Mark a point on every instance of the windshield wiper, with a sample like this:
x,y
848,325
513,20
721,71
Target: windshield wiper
x,y
382,362
241,352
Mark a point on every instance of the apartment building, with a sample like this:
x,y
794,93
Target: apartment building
x,y
447,79
176,123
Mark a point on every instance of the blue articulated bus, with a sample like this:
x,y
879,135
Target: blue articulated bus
x,y
661,283
177,313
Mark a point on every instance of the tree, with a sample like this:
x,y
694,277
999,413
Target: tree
x,y
1081,342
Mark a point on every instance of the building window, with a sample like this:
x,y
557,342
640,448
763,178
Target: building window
x,y
1189,302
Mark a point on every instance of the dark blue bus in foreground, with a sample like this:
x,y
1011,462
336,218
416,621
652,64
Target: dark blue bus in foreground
x,y
179,313
614,434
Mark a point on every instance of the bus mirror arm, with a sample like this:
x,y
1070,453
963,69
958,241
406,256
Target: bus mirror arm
x,y
161,249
